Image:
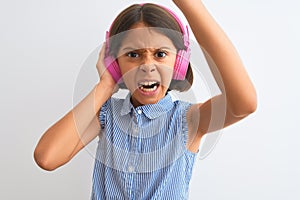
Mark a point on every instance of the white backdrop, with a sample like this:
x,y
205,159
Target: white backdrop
x,y
43,45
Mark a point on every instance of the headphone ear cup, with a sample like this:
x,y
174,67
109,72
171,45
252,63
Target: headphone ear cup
x,y
181,64
113,68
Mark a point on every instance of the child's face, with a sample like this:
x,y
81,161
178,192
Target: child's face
x,y
146,59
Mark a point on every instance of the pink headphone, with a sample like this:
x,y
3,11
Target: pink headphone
x,y
182,57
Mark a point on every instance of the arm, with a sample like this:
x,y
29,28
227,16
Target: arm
x,y
77,128
237,90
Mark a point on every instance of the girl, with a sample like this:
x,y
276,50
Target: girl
x,y
147,142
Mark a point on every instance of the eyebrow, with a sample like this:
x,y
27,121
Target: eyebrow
x,y
129,48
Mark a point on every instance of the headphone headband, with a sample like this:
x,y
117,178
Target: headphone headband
x,y
185,34
184,29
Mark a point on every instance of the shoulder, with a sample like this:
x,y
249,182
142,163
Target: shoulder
x,y
112,103
110,108
182,105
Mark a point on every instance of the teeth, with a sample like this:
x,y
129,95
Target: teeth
x,y
148,89
147,83
148,86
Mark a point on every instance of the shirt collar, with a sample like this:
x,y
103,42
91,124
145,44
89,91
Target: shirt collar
x,y
150,110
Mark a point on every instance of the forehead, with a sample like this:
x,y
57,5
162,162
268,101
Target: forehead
x,y
146,37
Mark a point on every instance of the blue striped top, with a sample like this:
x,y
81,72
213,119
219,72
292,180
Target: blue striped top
x,y
141,153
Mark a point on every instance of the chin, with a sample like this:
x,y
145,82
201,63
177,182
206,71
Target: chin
x,y
138,98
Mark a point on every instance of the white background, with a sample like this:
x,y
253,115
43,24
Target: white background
x,y
43,45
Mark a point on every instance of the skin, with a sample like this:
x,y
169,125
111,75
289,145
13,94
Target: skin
x,y
238,93
80,125
146,54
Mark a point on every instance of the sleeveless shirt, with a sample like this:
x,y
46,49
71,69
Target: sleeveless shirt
x,y
141,153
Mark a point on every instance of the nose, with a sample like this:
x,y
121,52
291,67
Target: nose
x,y
148,64
148,68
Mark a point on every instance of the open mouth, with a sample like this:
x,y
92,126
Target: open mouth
x,y
148,86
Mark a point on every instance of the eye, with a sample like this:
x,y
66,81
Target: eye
x,y
161,54
133,54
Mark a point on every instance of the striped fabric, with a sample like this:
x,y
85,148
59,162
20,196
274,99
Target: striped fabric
x,y
141,153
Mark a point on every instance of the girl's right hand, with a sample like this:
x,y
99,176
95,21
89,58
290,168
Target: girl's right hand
x,y
104,75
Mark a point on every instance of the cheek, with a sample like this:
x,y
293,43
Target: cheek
x,y
126,66
129,75
166,73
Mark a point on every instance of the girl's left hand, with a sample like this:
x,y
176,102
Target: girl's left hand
x,y
104,75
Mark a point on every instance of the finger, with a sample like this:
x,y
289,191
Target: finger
x,y
102,51
100,63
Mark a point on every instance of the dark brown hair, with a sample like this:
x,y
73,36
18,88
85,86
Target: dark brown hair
x,y
151,15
